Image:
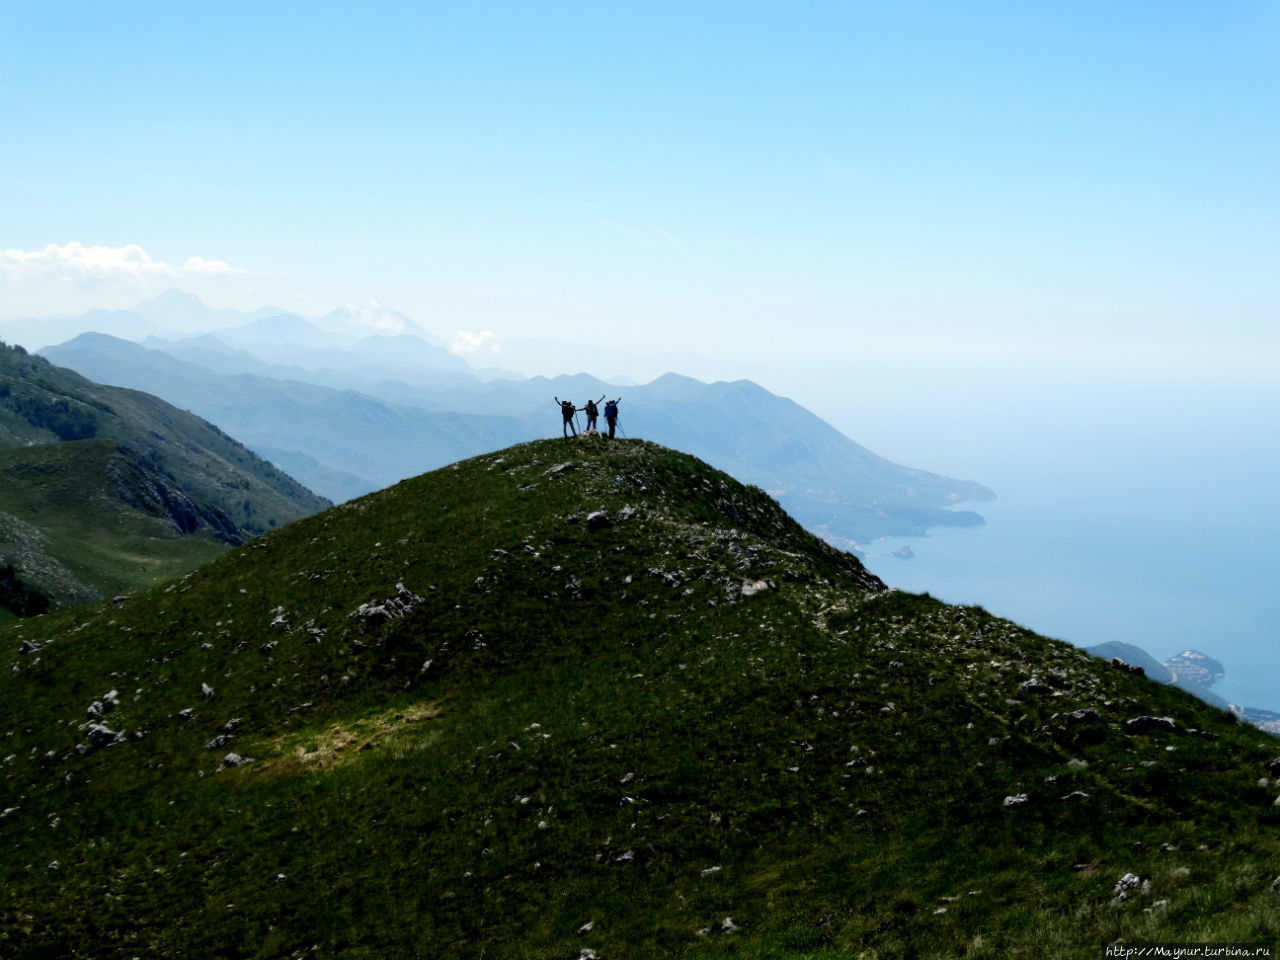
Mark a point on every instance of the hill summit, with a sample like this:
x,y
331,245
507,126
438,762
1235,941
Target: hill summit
x,y
599,699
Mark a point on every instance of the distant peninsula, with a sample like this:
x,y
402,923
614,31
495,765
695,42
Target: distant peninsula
x,y
1191,670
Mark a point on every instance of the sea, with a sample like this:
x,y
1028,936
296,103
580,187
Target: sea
x,y
1141,511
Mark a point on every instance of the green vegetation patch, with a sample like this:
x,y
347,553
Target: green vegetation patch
x,y
599,696
398,728
104,490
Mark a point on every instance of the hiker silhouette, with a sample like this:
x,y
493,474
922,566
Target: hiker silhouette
x,y
593,412
611,414
567,410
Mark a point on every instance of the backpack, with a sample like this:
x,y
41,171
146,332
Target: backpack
x,y
611,411
591,408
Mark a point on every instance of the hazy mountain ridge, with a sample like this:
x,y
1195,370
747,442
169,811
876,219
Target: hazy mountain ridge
x,y
340,442
176,315
108,488
607,699
830,483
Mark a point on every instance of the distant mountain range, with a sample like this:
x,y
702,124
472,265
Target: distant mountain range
x,y
360,398
338,442
360,423
105,489
174,315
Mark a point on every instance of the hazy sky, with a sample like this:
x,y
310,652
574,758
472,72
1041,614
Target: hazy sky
x,y
770,188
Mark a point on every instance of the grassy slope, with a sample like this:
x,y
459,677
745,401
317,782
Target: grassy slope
x,y
70,491
72,452
562,725
208,465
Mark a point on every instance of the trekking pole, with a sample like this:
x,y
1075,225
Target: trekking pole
x,y
622,428
576,424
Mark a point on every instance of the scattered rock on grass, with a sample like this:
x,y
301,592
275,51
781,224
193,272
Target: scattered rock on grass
x,y
1127,886
1145,724
233,760
1086,715
393,608
100,736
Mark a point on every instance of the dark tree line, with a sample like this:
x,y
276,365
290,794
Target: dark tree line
x,y
65,419
19,597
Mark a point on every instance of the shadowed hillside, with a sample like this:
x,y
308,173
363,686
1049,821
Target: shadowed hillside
x,y
104,489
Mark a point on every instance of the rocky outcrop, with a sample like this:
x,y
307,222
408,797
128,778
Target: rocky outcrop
x,y
1148,724
141,485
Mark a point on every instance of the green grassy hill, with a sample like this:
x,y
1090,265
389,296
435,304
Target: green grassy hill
x,y
600,697
105,520
105,490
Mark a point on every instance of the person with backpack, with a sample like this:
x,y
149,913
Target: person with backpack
x,y
611,414
567,410
593,412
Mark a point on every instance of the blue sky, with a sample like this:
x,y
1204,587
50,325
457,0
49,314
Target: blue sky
x,y
761,187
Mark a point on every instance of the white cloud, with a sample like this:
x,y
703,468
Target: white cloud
x,y
374,316
466,343
76,265
213,268
73,277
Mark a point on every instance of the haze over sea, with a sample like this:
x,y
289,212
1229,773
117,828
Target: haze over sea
x,y
1132,509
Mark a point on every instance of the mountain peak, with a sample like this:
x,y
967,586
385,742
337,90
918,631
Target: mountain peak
x,y
373,318
179,310
173,297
